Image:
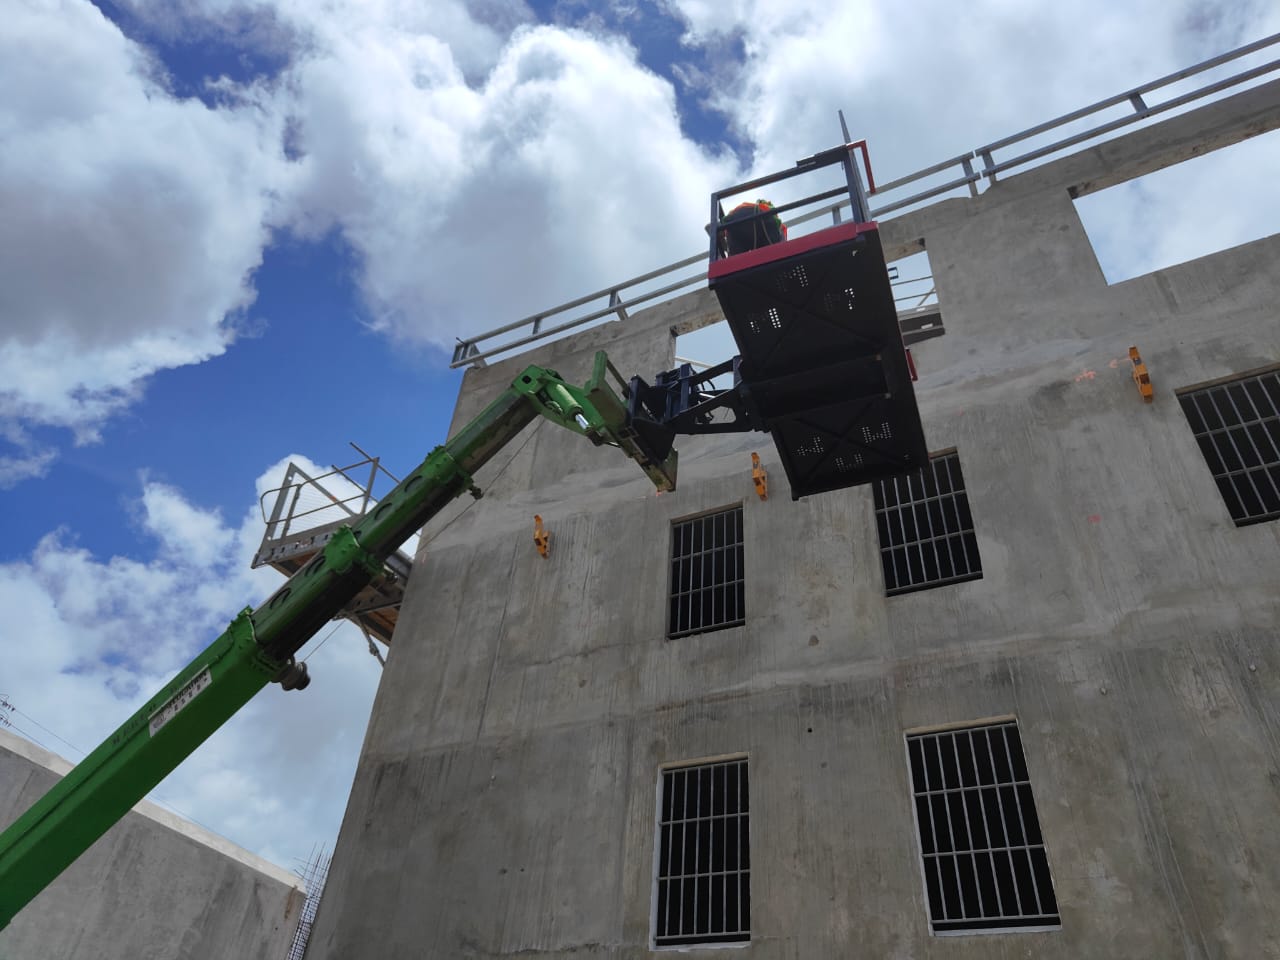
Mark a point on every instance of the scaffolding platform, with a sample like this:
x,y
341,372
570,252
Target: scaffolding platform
x,y
304,514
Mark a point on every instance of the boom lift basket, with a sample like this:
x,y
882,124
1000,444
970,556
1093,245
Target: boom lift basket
x,y
823,362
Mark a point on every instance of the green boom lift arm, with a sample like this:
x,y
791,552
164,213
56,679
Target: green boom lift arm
x,y
259,645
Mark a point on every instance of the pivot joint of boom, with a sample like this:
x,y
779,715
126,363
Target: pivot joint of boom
x,y
595,411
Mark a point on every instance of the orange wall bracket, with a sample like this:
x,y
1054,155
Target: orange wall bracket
x,y
759,477
541,536
1141,377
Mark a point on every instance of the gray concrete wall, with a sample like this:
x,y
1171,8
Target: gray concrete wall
x,y
505,800
155,887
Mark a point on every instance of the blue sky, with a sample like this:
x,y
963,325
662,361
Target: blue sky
x,y
209,428
239,233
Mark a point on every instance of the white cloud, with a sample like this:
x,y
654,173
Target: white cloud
x,y
934,82
476,173
132,223
471,205
191,537
1143,225
478,169
28,464
941,81
98,637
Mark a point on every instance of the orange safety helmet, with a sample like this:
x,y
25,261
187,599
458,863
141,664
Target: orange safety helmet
x,y
740,232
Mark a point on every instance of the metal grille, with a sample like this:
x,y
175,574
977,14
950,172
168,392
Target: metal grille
x,y
985,866
1237,425
926,529
703,885
707,588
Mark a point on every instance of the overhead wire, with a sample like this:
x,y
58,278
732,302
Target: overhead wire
x,y
19,710
336,625
153,797
30,736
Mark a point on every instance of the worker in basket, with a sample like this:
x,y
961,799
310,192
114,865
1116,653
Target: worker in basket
x,y
740,233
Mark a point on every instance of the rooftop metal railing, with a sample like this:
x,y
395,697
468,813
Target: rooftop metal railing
x,y
302,496
961,172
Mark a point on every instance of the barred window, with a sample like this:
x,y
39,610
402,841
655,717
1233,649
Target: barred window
x,y
707,587
985,865
702,892
1237,425
926,530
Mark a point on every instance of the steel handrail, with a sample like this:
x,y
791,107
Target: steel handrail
x,y
468,351
363,492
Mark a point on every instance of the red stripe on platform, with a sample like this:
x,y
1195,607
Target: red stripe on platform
x,y
841,233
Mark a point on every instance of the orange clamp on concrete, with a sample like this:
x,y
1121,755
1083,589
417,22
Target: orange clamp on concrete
x,y
759,477
541,536
1140,376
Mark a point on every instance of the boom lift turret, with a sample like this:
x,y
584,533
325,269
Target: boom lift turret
x,y
821,368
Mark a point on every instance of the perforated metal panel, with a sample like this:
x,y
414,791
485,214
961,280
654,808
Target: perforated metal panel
x,y
822,357
984,859
702,887
1237,425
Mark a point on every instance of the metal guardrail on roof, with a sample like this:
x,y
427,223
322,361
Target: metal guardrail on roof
x,y
620,297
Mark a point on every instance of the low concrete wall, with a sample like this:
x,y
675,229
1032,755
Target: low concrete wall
x,y
155,887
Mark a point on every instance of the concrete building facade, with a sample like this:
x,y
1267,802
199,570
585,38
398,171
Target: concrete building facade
x,y
155,887
516,776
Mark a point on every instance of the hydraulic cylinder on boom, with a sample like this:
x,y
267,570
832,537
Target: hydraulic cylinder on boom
x,y
259,646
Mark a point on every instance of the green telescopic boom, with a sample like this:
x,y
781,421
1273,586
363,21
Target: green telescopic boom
x,y
260,644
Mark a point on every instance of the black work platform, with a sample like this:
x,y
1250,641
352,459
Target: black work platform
x,y
822,356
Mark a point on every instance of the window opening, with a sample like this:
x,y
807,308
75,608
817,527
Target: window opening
x,y
927,537
707,587
702,891
1189,210
984,859
1237,425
